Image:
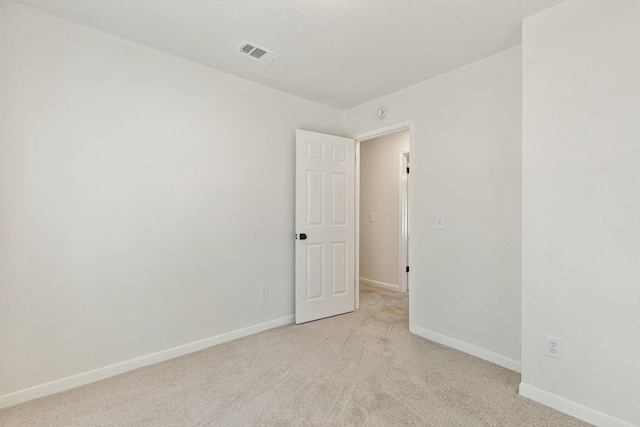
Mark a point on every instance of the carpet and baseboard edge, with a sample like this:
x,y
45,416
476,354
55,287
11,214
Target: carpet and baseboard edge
x,y
84,378
377,284
471,349
569,407
558,403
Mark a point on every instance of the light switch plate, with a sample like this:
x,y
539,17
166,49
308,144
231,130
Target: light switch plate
x,y
371,217
440,222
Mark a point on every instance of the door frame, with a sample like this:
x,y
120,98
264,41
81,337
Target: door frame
x,y
404,220
360,137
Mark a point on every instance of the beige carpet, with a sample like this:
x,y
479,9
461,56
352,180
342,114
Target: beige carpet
x,y
358,369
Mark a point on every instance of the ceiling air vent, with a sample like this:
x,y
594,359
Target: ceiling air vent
x,y
257,52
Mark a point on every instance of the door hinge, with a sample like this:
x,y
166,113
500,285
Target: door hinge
x,y
407,270
407,169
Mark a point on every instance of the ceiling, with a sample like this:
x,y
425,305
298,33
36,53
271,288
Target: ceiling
x,y
336,52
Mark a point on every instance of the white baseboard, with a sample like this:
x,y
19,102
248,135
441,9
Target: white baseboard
x,y
471,349
377,284
84,378
569,407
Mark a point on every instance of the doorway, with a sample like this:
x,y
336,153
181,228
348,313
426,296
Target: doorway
x,y
326,268
393,272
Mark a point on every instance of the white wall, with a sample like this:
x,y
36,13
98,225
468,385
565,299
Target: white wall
x,y
581,208
144,200
466,166
380,171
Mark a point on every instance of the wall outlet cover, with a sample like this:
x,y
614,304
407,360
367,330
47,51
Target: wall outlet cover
x,y
553,347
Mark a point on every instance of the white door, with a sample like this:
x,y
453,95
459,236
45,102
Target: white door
x,y
325,231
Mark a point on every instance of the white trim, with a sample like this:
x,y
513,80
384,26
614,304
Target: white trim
x,y
471,349
407,124
384,130
404,223
356,243
383,285
84,378
569,407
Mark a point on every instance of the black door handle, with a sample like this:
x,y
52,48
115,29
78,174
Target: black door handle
x,y
303,236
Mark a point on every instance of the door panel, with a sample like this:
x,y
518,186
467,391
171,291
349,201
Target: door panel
x,y
325,212
339,264
315,198
315,271
339,202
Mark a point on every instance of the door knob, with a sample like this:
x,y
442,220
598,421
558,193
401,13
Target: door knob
x,y
303,236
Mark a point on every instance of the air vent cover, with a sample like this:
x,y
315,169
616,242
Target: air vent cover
x,y
257,52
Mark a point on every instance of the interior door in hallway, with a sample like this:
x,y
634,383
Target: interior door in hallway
x,y
325,216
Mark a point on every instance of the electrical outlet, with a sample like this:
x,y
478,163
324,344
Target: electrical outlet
x,y
553,347
264,293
